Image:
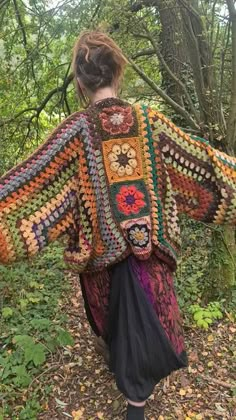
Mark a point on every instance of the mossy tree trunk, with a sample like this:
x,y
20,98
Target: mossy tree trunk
x,y
222,263
223,257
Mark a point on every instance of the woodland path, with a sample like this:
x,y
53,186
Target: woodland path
x,y
84,389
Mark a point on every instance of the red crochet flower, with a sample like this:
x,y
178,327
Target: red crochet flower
x,y
130,200
116,119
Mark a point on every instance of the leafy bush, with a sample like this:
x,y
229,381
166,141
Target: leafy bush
x,y
192,279
204,317
32,329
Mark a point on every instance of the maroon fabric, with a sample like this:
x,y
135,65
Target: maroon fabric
x,y
140,352
156,279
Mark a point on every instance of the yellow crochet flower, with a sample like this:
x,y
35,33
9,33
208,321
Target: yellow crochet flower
x,y
123,159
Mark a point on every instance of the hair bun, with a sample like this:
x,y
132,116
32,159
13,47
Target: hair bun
x,y
97,60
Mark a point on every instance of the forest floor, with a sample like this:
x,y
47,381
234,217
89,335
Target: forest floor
x,y
84,389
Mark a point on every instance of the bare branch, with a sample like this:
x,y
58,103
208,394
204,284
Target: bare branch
x,y
39,109
231,7
175,79
142,53
19,20
3,3
179,109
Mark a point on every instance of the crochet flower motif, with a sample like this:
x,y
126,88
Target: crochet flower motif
x,y
138,235
116,119
122,159
130,200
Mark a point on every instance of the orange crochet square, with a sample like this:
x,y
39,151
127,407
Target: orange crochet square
x,y
122,158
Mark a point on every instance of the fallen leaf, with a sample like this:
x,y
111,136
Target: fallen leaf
x,y
184,381
193,356
210,338
220,408
60,403
115,405
77,415
182,392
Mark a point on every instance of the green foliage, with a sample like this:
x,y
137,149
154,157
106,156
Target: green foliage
x,y
191,277
32,328
194,285
203,317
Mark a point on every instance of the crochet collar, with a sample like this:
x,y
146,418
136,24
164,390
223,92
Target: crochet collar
x,y
108,102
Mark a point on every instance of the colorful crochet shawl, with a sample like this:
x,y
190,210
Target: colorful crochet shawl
x,y
113,178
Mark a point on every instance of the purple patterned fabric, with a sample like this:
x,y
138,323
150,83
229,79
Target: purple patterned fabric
x,y
156,279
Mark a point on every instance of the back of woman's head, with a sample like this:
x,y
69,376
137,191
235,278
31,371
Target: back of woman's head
x,y
97,61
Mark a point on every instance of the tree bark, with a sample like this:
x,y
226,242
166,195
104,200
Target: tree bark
x,y
231,126
172,47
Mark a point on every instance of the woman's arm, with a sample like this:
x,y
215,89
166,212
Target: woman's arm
x,y
203,178
38,198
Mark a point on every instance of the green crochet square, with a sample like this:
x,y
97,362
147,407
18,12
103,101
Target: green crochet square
x,y
130,200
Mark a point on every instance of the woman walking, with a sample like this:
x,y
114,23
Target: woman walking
x,y
114,178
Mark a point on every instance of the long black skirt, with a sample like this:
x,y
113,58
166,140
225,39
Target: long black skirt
x,y
133,306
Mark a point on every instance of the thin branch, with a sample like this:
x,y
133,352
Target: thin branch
x,y
219,382
39,109
216,43
179,109
231,7
142,53
176,79
19,20
3,3
212,22
53,92
223,60
97,10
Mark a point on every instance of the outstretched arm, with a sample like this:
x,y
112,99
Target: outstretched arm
x,y
38,198
203,179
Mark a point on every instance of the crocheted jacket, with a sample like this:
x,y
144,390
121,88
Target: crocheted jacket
x,y
113,178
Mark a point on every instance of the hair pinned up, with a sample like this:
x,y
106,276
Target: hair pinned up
x,y
97,61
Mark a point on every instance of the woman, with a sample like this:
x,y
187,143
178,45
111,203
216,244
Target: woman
x,y
114,178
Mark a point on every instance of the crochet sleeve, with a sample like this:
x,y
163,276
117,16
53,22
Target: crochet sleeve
x,y
202,178
38,198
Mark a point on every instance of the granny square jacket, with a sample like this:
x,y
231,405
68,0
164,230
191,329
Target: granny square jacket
x,y
113,178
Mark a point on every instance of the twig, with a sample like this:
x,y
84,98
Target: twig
x,y
219,382
43,373
142,53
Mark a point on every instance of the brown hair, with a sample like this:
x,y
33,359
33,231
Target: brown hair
x,y
97,61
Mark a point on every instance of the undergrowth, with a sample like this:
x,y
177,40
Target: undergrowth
x,y
32,326
32,331
193,282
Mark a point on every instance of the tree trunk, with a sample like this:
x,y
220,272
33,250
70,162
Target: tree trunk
x,y
172,47
222,263
222,270
200,55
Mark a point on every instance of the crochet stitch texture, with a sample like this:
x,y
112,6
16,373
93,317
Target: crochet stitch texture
x,y
114,179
